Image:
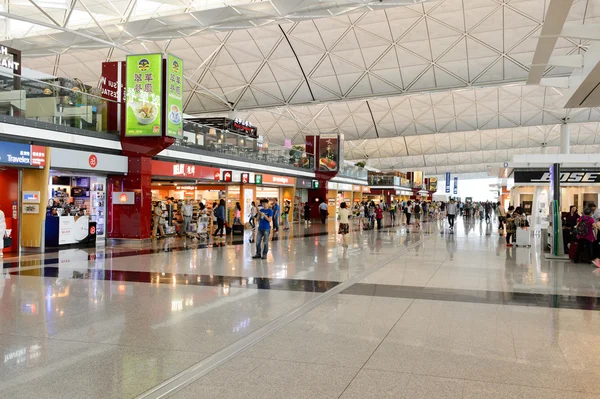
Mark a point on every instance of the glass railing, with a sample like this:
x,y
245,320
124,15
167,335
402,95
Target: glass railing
x,y
46,101
225,143
353,171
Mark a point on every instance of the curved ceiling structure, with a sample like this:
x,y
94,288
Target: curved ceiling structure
x,y
441,81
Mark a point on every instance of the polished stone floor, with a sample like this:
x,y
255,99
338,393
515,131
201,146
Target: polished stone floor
x,y
400,313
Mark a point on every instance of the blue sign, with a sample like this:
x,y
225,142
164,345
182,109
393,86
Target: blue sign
x,y
447,182
455,185
15,153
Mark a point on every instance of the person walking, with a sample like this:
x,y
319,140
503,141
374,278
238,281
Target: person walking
x,y
408,210
265,216
451,213
157,222
393,212
501,218
488,211
417,214
2,231
252,221
286,215
344,228
511,226
307,213
569,223
237,214
220,215
323,211
276,214
187,210
379,216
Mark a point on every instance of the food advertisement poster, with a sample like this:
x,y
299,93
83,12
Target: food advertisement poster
x,y
174,96
329,153
144,94
418,178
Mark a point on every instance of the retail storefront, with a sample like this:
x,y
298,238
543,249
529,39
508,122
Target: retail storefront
x,y
77,196
18,164
579,187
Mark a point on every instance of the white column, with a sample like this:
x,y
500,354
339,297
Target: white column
x,y
565,138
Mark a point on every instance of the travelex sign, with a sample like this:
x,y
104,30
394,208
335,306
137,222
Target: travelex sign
x,y
591,177
22,154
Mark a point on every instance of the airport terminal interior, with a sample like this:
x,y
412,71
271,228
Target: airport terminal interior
x,y
300,199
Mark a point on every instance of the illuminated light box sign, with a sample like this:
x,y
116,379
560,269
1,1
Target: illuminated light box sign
x,y
174,89
144,95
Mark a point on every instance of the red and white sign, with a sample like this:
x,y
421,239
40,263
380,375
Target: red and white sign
x,y
123,198
245,178
171,169
227,176
218,176
38,155
93,161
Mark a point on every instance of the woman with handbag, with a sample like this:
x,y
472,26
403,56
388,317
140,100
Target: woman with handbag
x,y
2,231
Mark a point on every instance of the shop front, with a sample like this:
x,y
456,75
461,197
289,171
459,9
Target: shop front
x,y
76,214
18,162
531,191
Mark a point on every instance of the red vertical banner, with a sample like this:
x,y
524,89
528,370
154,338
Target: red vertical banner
x,y
112,84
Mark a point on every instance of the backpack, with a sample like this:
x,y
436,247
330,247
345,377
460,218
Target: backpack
x,y
583,228
417,209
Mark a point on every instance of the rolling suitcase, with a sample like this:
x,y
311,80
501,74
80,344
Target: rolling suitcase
x,y
523,237
572,250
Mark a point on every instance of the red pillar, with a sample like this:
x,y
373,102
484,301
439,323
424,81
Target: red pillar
x,y
132,221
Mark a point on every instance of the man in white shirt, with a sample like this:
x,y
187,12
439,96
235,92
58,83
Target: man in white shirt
x,y
323,210
595,212
187,211
451,212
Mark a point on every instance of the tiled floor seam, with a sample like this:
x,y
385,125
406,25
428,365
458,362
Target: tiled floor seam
x,y
376,348
193,373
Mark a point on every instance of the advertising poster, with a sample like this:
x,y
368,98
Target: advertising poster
x,y
329,152
174,96
447,182
433,184
418,178
144,94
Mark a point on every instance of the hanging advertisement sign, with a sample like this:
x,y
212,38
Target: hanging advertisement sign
x,y
447,182
433,184
418,179
329,152
174,89
144,95
455,185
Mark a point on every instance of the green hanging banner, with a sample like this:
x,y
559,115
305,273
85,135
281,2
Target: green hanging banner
x,y
144,95
174,89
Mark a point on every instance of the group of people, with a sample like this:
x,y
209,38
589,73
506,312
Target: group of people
x,y
581,236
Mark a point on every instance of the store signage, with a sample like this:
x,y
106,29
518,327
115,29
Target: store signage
x,y
174,89
366,189
144,95
455,185
92,161
38,155
31,197
15,153
332,186
245,178
227,176
447,182
303,183
329,153
344,187
238,125
316,184
258,179
123,198
170,169
540,176
6,62
31,208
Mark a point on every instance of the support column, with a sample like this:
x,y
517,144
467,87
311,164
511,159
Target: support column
x,y
565,138
131,221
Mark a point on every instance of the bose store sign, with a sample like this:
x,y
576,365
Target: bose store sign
x,y
541,177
